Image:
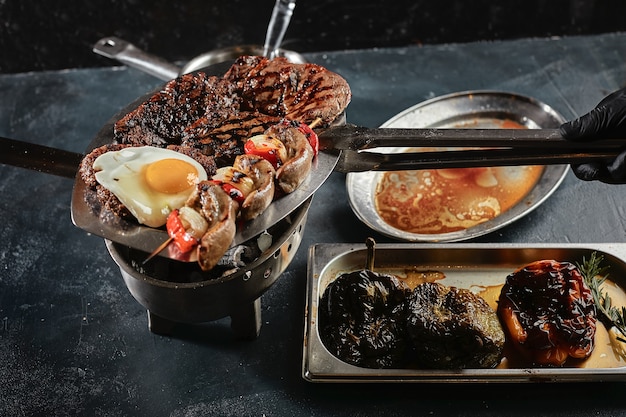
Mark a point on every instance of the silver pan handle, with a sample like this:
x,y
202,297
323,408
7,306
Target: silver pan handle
x,y
277,27
128,54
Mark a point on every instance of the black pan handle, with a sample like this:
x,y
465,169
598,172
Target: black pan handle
x,y
39,158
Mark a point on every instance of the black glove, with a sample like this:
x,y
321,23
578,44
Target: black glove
x,y
606,121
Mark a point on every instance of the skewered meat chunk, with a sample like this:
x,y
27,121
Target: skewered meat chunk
x,y
302,92
453,328
549,312
299,156
220,212
362,319
262,174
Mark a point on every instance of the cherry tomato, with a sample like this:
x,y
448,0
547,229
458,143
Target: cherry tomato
x,y
311,137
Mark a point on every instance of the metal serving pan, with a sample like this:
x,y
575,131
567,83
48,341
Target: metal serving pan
x,y
470,109
474,266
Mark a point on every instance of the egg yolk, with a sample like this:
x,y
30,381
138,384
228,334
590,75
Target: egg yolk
x,y
170,176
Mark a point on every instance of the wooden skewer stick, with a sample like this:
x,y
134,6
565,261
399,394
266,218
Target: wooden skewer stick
x,y
315,122
158,249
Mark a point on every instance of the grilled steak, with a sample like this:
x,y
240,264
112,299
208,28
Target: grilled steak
x,y
453,328
224,137
362,318
216,114
163,118
302,92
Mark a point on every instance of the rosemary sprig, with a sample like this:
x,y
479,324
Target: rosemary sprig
x,y
594,275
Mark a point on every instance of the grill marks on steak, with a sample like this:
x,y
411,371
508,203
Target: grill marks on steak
x,y
163,118
302,92
223,138
217,115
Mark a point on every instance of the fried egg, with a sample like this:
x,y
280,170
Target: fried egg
x,y
149,181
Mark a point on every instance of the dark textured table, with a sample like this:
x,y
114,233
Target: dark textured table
x,y
74,342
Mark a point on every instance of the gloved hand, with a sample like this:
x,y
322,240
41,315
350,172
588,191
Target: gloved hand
x,y
606,121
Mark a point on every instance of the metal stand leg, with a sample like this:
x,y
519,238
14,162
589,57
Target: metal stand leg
x,y
246,321
159,325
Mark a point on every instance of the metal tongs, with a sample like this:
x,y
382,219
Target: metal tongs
x,y
359,148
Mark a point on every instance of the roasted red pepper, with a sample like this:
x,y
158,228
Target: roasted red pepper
x,y
311,137
176,230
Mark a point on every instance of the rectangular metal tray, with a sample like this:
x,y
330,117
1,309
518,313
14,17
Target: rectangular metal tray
x,y
465,266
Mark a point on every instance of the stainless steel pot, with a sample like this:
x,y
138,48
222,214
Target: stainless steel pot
x,y
178,292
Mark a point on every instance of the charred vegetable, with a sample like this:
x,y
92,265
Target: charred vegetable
x,y
453,328
549,312
362,318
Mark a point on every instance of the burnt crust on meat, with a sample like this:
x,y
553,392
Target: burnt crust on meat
x,y
100,200
162,119
224,138
217,115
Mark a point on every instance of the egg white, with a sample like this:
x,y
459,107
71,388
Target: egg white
x,y
122,173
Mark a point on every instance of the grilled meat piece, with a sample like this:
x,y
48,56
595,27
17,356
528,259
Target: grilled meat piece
x,y
223,136
163,118
262,174
362,319
549,312
220,212
100,200
216,115
299,156
452,328
303,92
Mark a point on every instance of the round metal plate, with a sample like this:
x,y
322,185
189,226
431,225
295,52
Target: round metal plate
x,y
477,109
